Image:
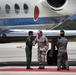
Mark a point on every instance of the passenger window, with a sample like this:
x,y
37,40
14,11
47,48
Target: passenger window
x,y
26,8
17,8
7,8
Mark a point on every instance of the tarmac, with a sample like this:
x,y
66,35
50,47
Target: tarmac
x,y
49,70
13,60
13,54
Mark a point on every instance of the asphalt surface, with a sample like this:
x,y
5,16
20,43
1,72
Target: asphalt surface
x,y
13,54
13,61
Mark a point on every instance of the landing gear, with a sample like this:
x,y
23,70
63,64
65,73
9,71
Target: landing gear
x,y
52,59
52,53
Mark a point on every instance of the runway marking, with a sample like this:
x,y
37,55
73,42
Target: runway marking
x,y
73,70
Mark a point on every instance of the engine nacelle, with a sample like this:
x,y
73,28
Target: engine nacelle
x,y
64,7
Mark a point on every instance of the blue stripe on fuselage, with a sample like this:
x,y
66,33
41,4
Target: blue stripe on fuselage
x,y
29,21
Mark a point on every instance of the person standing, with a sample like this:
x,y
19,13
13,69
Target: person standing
x,y
43,46
62,51
28,49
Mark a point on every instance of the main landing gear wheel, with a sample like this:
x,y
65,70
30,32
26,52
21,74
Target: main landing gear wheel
x,y
52,59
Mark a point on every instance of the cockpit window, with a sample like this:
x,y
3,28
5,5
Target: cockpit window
x,y
17,8
26,8
7,8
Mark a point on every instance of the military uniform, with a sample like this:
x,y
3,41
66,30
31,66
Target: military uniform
x,y
62,53
42,48
28,50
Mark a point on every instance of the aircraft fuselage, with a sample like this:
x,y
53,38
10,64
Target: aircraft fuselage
x,y
28,14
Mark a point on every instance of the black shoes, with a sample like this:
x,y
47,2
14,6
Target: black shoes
x,y
41,68
58,69
68,69
63,68
29,68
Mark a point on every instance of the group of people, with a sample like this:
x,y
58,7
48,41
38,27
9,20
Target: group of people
x,y
43,45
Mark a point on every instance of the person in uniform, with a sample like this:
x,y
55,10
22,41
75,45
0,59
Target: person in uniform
x,y
43,46
62,62
28,49
62,56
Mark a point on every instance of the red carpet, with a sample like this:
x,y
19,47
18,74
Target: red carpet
x,y
35,70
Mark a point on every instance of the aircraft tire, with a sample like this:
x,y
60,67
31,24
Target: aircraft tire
x,y
49,58
52,60
55,57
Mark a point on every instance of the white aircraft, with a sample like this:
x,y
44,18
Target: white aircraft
x,y
39,14
34,14
17,17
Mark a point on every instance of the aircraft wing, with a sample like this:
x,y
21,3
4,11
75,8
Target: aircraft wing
x,y
48,33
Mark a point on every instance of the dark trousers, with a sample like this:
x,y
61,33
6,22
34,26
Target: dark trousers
x,y
62,57
28,56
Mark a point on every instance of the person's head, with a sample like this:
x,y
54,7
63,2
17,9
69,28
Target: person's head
x,y
39,33
62,33
30,33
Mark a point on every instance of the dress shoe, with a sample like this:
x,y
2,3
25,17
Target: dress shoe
x,y
29,68
41,68
67,69
58,69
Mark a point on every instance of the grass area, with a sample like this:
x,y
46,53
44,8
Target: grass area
x,y
72,40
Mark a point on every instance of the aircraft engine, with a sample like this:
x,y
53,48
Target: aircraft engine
x,y
64,7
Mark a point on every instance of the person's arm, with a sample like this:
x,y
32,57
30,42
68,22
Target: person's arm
x,y
47,44
66,45
58,42
35,41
